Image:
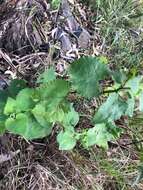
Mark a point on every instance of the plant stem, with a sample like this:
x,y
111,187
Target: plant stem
x,y
116,90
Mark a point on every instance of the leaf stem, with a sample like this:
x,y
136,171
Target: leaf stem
x,y
116,90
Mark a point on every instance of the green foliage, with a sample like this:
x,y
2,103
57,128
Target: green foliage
x,y
111,110
134,85
25,124
139,177
86,74
66,140
71,118
119,22
131,106
10,106
55,4
101,134
47,76
119,76
141,102
2,123
33,112
55,91
15,87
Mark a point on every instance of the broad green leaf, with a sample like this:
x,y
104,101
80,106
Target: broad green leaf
x,y
71,118
15,87
119,76
66,140
17,125
26,126
24,100
134,85
39,113
10,106
47,76
55,115
101,134
141,102
85,75
130,109
64,114
54,92
2,123
43,113
112,109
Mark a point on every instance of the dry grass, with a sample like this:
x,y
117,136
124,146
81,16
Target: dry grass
x,y
41,166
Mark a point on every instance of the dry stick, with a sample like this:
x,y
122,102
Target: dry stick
x,y
133,142
26,32
9,61
122,87
26,58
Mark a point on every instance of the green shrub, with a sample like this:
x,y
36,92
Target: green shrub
x,y
33,112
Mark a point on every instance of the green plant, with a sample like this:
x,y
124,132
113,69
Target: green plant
x,y
33,112
118,25
55,4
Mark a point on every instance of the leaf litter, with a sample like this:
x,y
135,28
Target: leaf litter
x,y
32,37
30,31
